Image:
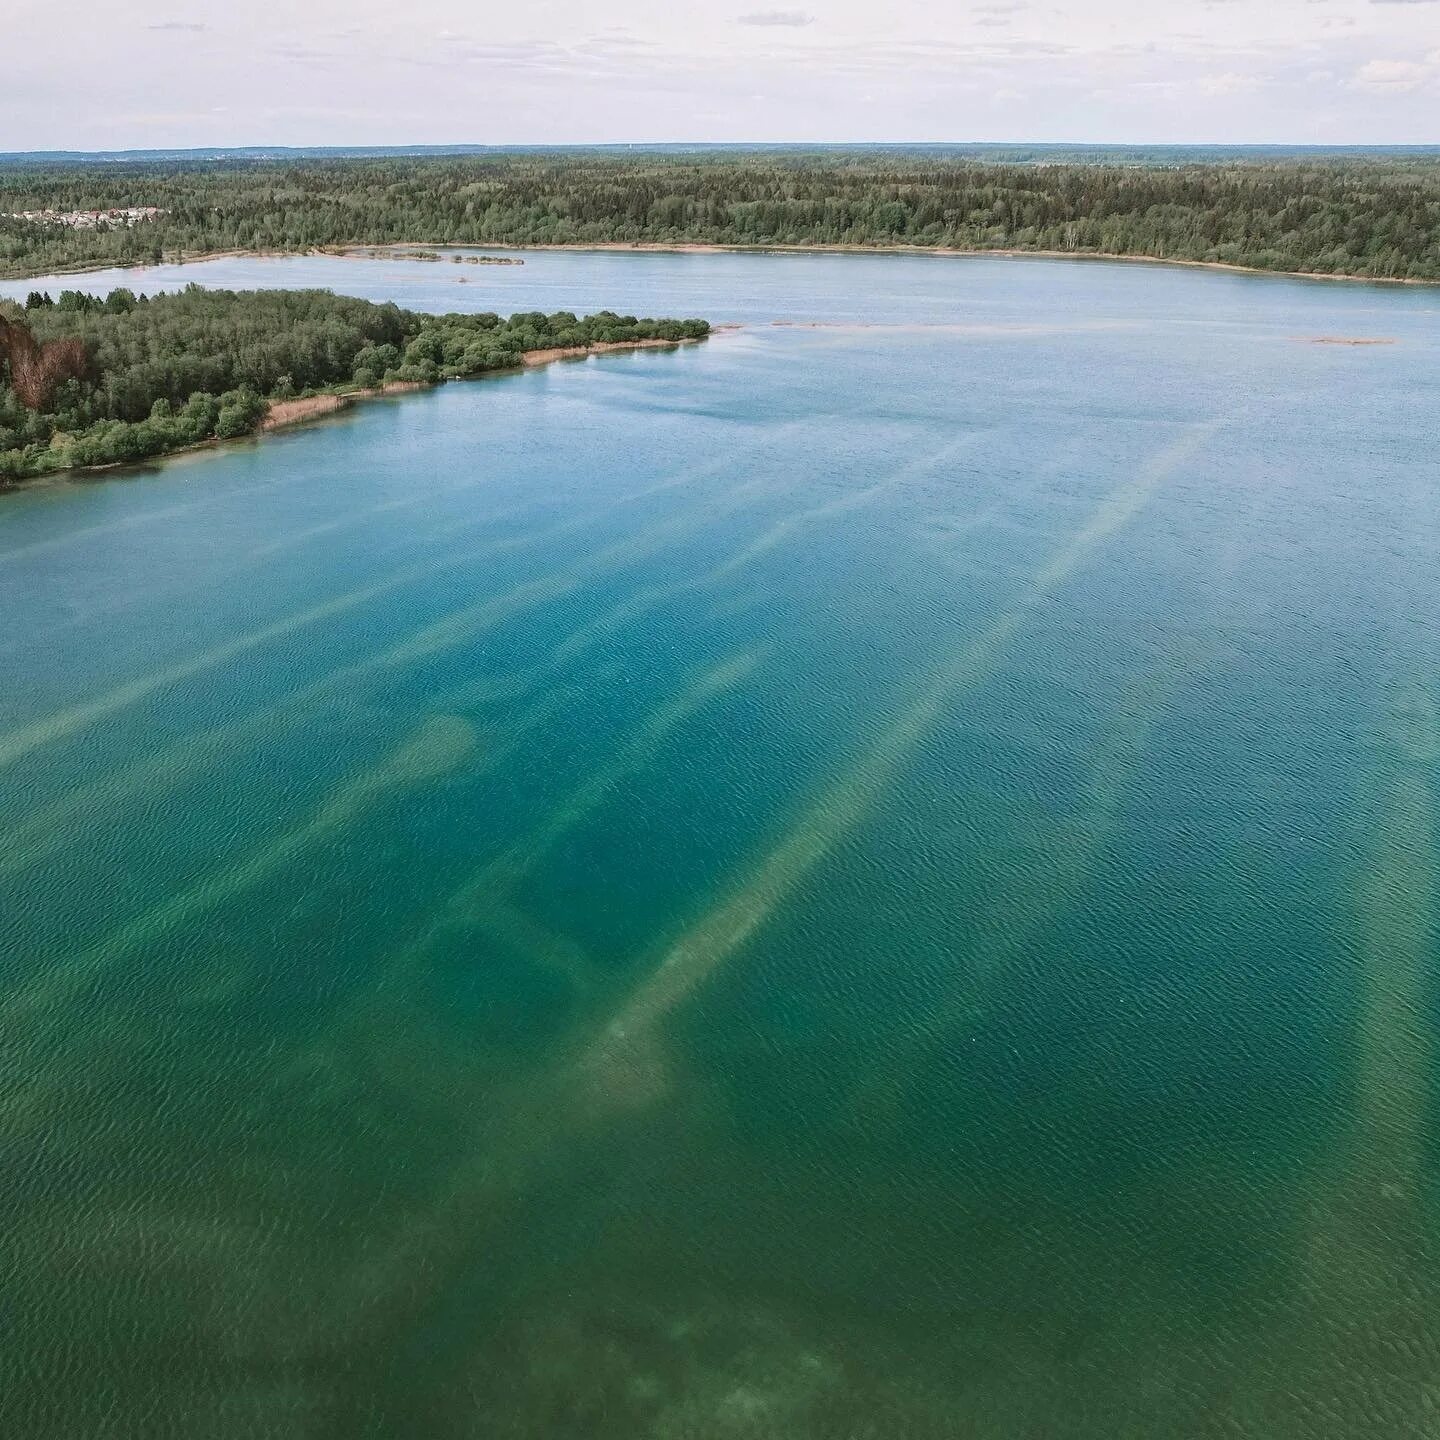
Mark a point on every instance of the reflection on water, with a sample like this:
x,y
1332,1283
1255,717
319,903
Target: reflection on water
x,y
865,879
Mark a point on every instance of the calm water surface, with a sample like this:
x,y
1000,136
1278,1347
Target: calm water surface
x,y
871,878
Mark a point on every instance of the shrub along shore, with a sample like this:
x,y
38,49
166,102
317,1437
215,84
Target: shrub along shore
x,y
174,371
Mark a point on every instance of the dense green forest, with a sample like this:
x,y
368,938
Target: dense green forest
x,y
1375,215
164,373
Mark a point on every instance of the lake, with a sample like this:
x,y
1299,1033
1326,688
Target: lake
x,y
872,877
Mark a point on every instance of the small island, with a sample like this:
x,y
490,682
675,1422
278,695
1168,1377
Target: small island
x,y
86,382
401,252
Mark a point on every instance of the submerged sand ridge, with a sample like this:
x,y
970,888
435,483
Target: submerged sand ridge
x,y
1358,340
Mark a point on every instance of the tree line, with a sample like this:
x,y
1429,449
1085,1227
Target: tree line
x,y
1372,215
173,370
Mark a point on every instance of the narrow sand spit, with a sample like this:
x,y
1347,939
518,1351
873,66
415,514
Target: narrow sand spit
x,y
311,407
1345,340
293,412
699,248
761,248
941,327
576,352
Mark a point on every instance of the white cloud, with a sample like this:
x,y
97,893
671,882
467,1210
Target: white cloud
x,y
792,18
1231,82
1393,74
552,72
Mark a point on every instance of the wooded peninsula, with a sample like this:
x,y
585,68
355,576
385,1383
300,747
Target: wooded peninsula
x,y
86,381
1370,215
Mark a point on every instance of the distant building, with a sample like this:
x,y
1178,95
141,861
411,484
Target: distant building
x,y
89,219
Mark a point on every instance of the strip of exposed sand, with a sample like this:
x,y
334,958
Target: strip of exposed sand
x,y
697,247
1346,339
285,413
601,347
687,247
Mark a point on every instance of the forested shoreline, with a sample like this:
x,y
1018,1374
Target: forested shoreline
x,y
151,376
1375,217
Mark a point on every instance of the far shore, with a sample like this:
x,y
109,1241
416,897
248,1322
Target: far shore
x,y
360,251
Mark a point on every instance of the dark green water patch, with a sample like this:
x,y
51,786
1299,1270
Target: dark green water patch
x,y
846,882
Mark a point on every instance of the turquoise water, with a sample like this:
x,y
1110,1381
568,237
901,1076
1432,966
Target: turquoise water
x,y
874,877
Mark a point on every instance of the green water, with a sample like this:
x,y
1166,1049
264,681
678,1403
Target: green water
x,y
872,880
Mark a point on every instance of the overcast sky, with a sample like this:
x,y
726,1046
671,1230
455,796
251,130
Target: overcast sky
x,y
107,74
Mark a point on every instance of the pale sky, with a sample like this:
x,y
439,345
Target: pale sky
x,y
109,74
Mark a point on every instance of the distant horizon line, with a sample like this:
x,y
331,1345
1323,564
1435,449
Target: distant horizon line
x,y
473,148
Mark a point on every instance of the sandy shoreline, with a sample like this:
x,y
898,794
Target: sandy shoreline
x,y
283,414
533,357
688,247
696,247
